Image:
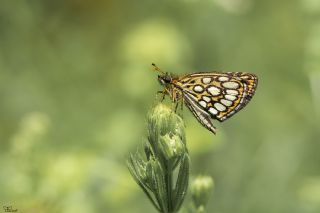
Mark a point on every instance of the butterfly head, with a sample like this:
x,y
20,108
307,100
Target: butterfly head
x,y
165,79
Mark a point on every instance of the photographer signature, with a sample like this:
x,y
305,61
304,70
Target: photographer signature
x,y
9,209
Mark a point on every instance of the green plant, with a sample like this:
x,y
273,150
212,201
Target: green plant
x,y
165,154
201,188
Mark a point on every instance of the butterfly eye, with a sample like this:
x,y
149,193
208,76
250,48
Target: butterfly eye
x,y
164,79
161,80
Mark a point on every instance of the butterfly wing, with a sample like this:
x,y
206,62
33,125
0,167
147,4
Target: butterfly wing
x,y
202,116
220,95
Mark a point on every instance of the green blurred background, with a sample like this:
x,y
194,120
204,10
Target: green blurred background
x,y
76,84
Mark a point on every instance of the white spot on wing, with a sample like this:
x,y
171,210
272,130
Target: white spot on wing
x,y
214,90
202,103
206,98
206,80
219,107
213,111
232,92
230,97
223,78
230,85
226,102
198,88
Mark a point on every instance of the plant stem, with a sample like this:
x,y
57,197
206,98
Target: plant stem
x,y
169,187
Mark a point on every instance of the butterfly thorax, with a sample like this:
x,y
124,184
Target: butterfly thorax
x,y
170,84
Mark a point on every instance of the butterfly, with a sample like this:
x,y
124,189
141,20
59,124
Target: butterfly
x,y
210,95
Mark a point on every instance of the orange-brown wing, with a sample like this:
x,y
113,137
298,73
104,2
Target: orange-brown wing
x,y
219,94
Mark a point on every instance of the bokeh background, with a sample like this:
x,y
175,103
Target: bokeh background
x,y
76,84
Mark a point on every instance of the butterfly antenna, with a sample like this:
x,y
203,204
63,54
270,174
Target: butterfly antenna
x,y
156,68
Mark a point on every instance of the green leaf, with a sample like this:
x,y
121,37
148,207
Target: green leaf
x,y
132,168
160,185
182,182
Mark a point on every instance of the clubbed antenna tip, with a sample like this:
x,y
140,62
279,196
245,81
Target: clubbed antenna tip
x,y
156,68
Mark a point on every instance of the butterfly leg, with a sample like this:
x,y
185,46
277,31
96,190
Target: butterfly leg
x,y
176,100
182,103
164,93
181,107
176,107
